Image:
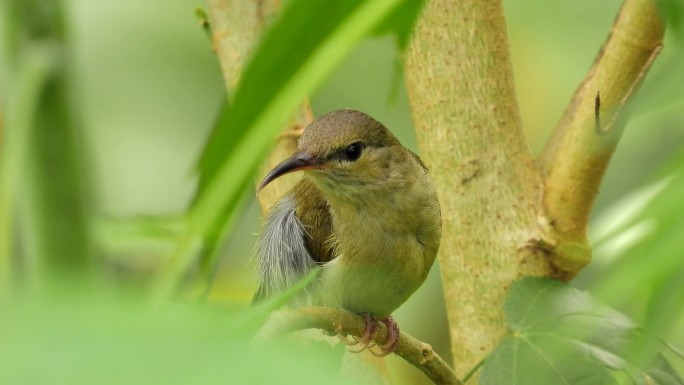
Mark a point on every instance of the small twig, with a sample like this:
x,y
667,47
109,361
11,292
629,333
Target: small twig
x,y
417,353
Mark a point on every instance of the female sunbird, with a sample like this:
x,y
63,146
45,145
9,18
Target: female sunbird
x,y
365,211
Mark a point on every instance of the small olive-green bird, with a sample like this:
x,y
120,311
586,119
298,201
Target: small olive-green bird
x,y
365,211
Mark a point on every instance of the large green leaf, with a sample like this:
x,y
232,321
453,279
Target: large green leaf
x,y
561,335
84,336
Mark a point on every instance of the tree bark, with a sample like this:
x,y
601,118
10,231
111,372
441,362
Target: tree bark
x,y
460,82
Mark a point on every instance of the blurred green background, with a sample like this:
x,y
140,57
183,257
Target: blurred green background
x,y
148,88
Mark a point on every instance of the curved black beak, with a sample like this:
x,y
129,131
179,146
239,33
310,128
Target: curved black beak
x,y
298,161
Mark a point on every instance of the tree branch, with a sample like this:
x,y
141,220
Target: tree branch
x,y
576,156
460,82
334,321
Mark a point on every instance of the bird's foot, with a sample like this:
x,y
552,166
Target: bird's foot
x,y
366,340
390,344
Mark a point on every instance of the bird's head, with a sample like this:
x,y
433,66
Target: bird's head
x,y
344,152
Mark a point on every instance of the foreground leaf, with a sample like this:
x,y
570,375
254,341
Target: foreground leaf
x,y
561,335
83,335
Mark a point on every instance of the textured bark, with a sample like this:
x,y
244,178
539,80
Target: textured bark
x,y
460,84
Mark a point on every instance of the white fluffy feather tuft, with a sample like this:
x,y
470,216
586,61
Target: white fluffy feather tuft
x,y
282,254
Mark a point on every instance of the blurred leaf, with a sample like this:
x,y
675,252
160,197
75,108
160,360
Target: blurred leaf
x,y
673,12
82,337
650,260
21,103
626,213
665,309
140,243
400,22
254,319
563,335
54,188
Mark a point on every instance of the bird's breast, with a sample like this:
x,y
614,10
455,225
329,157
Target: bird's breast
x,y
385,246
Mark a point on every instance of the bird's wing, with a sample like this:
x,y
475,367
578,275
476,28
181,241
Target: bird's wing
x,y
293,239
314,214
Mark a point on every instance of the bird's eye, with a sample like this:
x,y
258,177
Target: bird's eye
x,y
353,151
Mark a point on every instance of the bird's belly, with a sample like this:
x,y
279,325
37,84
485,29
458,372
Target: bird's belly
x,y
379,284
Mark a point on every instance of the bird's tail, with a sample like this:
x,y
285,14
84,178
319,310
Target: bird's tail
x,y
283,259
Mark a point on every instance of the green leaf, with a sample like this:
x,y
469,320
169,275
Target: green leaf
x,y
52,194
85,336
654,255
400,23
561,335
673,12
254,319
541,360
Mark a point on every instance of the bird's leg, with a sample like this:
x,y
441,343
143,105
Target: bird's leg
x,y
390,344
366,339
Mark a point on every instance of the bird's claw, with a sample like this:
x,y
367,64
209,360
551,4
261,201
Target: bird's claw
x,y
366,339
390,344
349,342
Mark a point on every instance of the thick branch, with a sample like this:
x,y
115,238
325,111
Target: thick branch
x,y
460,83
575,158
418,354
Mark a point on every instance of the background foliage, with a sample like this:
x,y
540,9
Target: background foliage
x,y
143,90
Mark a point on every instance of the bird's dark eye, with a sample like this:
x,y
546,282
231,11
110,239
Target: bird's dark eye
x,y
353,151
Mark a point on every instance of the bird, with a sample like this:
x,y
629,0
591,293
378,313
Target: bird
x,y
365,212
